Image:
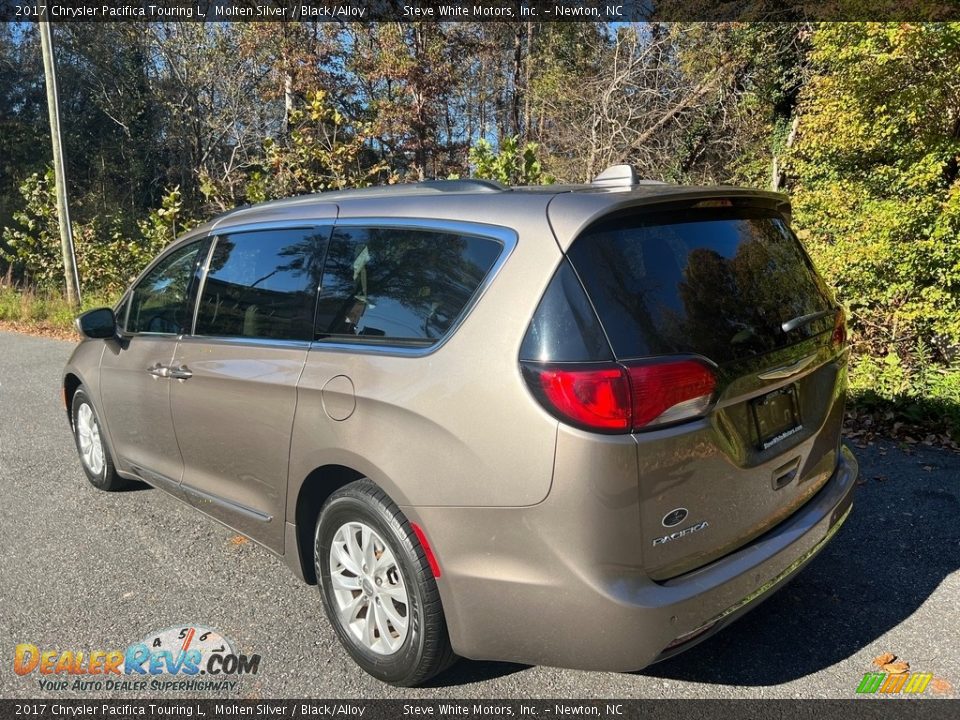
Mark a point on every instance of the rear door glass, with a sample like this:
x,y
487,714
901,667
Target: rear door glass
x,y
717,282
399,285
262,284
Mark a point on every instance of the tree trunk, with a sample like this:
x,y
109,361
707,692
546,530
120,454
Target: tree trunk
x,y
778,178
517,73
693,97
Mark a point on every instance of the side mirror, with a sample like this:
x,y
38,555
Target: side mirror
x,y
98,323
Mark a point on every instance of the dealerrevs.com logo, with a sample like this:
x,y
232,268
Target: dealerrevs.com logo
x,y
896,679
188,657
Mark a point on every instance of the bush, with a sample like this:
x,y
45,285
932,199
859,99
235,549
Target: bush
x,y
107,257
510,165
875,179
876,186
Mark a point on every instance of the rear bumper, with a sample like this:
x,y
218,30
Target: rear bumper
x,y
535,586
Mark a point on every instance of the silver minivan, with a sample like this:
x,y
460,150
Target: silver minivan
x,y
584,426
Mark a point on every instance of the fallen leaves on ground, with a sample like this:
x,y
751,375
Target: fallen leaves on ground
x,y
862,427
897,668
885,659
939,685
39,329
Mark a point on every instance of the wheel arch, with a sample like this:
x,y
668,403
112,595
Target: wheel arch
x,y
71,383
319,485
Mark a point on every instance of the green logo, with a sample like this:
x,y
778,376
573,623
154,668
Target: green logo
x,y
874,682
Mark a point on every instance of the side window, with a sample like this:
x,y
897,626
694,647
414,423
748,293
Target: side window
x,y
262,284
399,284
158,304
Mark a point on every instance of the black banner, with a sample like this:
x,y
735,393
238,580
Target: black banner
x,y
92,709
474,10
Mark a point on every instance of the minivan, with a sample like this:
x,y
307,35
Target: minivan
x,y
575,425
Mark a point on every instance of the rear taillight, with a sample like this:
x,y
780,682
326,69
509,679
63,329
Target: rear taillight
x,y
596,398
839,337
669,391
613,397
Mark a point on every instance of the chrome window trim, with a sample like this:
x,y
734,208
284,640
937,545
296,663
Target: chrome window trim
x,y
238,340
291,224
233,230
507,237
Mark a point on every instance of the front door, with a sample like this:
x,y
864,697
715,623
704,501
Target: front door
x,y
135,392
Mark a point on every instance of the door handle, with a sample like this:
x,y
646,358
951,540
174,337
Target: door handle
x,y
180,373
159,371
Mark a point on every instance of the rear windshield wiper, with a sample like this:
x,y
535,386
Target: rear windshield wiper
x,y
805,320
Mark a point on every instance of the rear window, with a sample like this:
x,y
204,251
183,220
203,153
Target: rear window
x,y
717,282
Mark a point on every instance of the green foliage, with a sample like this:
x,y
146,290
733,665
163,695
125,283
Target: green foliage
x,y
324,150
861,120
107,258
920,392
510,165
161,227
34,242
877,197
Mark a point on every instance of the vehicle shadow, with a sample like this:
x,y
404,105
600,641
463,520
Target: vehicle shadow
x,y
135,486
467,672
900,542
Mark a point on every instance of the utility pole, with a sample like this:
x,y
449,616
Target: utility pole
x,y
60,177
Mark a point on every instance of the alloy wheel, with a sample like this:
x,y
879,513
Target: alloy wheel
x,y
369,589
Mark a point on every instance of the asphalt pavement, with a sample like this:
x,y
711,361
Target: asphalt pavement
x,y
87,570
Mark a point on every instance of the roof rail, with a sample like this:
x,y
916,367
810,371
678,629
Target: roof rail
x,y
621,176
424,187
462,185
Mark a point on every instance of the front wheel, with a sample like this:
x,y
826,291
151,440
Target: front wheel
x,y
94,456
378,589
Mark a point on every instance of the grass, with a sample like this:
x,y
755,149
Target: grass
x,y
923,397
44,311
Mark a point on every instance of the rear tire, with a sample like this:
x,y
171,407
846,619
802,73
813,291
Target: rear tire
x,y
94,455
378,589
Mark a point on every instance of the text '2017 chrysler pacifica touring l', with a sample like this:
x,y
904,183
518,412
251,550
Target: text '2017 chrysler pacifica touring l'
x,y
475,414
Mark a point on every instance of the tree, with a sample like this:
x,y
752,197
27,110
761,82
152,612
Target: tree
x,y
510,164
875,180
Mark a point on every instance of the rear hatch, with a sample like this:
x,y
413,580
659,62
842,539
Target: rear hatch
x,y
718,298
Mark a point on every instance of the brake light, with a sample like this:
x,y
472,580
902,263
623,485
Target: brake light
x,y
839,337
669,391
612,398
590,397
